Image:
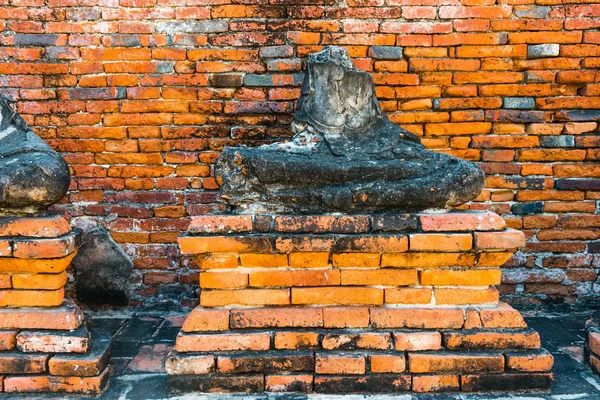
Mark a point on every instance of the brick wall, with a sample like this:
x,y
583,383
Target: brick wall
x,y
140,96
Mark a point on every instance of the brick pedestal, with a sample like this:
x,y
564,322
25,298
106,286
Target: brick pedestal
x,y
338,304
45,344
592,348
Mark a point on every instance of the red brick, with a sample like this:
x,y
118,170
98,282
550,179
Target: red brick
x,y
491,340
8,340
503,316
244,297
221,224
440,242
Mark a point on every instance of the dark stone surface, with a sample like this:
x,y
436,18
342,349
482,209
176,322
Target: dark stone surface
x,y
32,175
102,269
385,383
346,156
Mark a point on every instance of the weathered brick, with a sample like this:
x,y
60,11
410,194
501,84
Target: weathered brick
x,y
332,364
443,362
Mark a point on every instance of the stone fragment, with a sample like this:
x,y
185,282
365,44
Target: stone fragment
x,y
102,269
543,50
518,102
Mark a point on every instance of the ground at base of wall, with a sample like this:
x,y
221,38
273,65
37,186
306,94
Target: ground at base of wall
x,y
142,342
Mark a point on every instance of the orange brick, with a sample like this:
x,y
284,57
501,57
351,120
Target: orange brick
x,y
340,364
45,248
427,260
356,260
56,384
337,296
39,281
263,260
8,340
346,317
295,278
440,242
508,239
386,363
417,318
244,297
435,383
31,298
286,317
408,295
222,244
296,340
202,320
223,342
417,341
5,281
51,226
594,342
289,383
223,280
65,317
493,259
309,259
217,261
503,316
350,341
454,362
380,277
465,296
486,340
445,277
540,361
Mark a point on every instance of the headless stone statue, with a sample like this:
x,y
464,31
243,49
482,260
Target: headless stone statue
x,y
32,175
346,156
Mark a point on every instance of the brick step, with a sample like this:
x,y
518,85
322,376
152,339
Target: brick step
x,y
260,340
346,384
56,384
67,316
53,341
49,226
203,319
35,372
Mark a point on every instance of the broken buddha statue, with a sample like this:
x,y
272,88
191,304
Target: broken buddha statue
x,y
32,175
346,155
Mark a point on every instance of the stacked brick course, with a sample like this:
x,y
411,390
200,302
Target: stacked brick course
x,y
354,303
141,95
45,344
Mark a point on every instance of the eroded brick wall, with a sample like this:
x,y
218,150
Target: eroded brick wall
x,y
140,96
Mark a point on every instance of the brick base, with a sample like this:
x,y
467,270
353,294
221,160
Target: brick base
x,y
358,349
360,303
592,347
45,343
